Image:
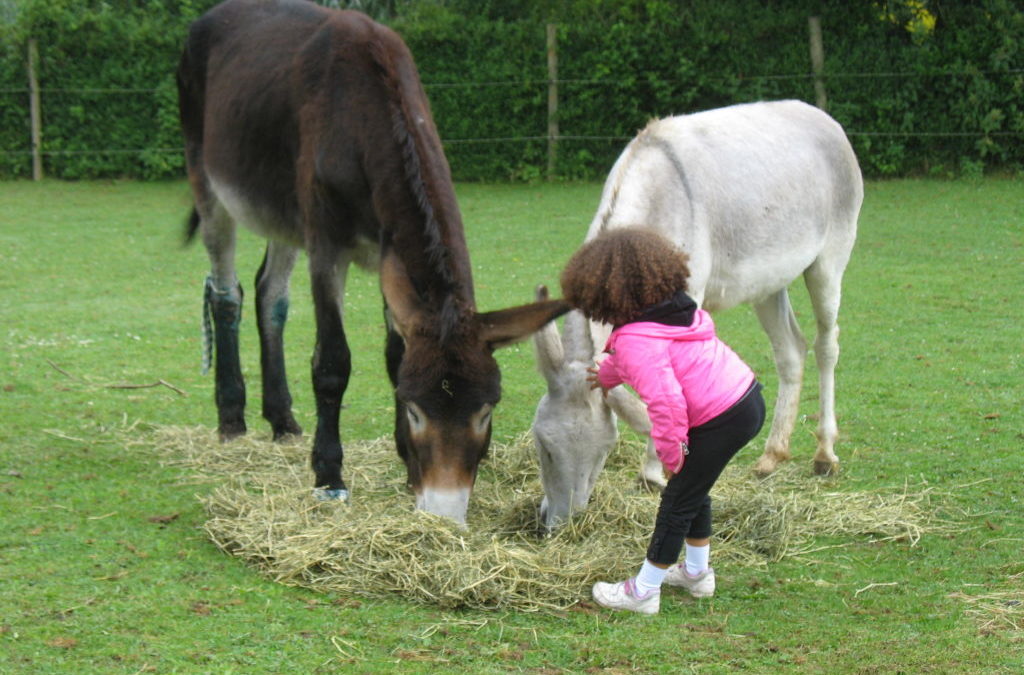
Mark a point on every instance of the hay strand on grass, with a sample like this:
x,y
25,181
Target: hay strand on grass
x,y
997,611
261,509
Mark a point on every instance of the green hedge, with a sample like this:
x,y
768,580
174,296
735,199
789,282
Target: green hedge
x,y
107,77
916,97
940,101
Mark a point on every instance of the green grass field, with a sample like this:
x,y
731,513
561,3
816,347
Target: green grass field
x,y
104,567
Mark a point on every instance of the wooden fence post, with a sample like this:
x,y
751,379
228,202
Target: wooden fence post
x,y
817,61
552,46
35,110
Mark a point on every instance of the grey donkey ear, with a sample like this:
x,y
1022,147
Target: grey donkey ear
x,y
577,342
547,345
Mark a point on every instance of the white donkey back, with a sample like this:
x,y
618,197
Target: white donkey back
x,y
757,195
754,193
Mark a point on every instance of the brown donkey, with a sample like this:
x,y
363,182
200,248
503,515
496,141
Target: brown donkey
x,y
310,127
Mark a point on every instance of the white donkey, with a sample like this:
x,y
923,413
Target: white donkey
x,y
756,194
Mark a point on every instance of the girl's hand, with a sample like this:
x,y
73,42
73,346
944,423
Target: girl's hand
x,y
685,449
595,383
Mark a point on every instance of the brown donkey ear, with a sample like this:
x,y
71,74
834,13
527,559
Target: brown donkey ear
x,y
404,304
506,326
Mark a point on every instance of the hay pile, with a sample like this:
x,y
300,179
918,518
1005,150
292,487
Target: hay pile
x,y
998,611
262,510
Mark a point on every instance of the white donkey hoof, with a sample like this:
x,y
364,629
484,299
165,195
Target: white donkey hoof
x,y
331,495
653,481
766,466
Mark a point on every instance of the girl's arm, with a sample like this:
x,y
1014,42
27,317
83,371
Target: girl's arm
x,y
648,370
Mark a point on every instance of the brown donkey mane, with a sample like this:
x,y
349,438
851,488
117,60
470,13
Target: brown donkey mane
x,y
420,161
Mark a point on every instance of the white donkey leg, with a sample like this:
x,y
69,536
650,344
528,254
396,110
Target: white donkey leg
x,y
823,284
790,350
652,472
633,412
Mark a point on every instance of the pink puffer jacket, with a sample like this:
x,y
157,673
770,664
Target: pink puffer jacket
x,y
685,375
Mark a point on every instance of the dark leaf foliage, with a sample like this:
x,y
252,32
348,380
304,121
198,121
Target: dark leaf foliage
x,y
923,86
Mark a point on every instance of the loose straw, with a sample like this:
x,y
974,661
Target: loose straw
x,y
261,509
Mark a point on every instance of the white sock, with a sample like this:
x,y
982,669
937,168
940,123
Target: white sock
x,y
697,558
650,578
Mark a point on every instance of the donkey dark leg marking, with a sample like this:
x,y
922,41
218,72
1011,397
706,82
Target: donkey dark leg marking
x,y
226,307
271,316
224,295
332,366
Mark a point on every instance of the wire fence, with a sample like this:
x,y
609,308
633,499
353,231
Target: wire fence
x,y
612,138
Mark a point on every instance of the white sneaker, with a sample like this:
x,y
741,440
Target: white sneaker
x,y
623,595
700,586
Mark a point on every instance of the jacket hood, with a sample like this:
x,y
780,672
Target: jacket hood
x,y
702,328
676,311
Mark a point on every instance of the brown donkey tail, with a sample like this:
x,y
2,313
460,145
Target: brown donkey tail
x,y
191,226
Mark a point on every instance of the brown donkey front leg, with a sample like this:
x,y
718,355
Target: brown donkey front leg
x,y
332,365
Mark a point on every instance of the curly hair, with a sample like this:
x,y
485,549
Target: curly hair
x,y
614,277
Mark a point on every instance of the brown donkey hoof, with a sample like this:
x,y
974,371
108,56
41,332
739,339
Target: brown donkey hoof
x,y
286,432
230,431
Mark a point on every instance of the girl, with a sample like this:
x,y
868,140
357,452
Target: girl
x,y
703,400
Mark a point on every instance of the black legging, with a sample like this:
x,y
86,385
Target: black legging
x,y
685,509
